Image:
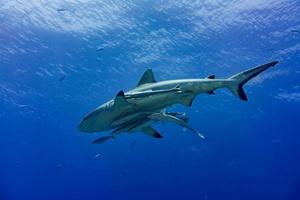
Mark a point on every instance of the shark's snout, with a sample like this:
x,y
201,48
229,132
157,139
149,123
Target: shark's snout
x,y
96,121
84,126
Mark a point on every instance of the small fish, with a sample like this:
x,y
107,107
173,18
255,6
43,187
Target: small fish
x,y
295,31
102,139
21,105
97,155
62,78
200,135
61,9
100,49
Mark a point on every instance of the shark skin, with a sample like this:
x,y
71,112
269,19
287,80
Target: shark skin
x,y
137,109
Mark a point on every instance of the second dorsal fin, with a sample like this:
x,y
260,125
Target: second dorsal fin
x,y
211,77
147,77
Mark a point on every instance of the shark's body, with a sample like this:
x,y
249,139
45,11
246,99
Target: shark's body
x,y
137,109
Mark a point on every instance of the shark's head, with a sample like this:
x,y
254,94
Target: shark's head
x,y
86,124
98,120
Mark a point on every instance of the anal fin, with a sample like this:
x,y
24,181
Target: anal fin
x,y
211,92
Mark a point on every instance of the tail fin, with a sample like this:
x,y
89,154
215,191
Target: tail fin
x,y
238,80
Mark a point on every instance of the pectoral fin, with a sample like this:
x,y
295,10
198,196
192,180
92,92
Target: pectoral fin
x,y
151,132
187,101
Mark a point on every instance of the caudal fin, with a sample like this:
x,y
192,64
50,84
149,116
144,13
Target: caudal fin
x,y
237,81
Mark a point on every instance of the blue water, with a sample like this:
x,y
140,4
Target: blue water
x,y
52,75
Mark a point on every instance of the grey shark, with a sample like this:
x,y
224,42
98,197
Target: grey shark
x,y
137,109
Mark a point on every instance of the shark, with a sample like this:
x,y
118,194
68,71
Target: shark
x,y
138,109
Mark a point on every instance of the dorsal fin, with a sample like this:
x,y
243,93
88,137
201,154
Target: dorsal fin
x,y
211,77
147,77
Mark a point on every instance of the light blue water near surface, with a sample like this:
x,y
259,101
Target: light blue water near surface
x,y
52,75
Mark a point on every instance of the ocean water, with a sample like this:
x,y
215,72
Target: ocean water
x,y
61,59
